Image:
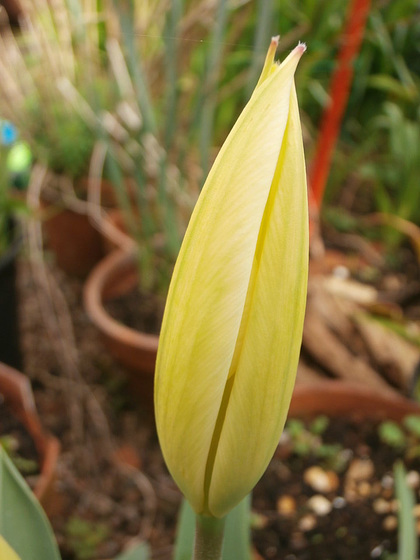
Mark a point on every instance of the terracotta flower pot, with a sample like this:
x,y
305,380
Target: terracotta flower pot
x,y
73,238
135,350
16,391
340,398
76,244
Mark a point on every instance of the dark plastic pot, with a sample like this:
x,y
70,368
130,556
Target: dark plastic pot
x,y
10,352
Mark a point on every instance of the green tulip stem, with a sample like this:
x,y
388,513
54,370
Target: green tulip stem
x,y
208,538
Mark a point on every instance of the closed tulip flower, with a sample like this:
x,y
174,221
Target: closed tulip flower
x,y
233,321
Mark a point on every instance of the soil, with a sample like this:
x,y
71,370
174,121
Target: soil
x,y
337,507
139,311
112,485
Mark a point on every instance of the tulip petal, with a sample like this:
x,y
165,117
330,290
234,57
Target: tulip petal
x,y
271,328
209,287
6,551
269,65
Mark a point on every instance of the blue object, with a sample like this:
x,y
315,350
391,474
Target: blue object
x,y
8,133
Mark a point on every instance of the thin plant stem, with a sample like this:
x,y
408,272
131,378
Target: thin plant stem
x,y
211,78
263,30
209,533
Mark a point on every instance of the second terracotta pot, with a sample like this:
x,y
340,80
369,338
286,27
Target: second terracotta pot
x,y
340,399
135,350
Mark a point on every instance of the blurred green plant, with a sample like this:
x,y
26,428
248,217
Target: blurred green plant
x,y
62,140
394,173
45,71
167,66
307,440
376,166
84,537
105,91
12,204
404,437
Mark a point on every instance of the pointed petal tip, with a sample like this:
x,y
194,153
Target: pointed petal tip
x,y
301,48
272,50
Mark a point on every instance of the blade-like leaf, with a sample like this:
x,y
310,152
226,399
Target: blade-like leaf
x,y
184,543
237,533
23,523
237,543
407,535
263,29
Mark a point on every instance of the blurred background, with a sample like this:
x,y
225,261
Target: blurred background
x,y
111,114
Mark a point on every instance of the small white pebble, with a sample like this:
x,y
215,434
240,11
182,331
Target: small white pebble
x,y
413,479
387,481
307,523
320,480
319,505
377,551
390,523
381,506
360,470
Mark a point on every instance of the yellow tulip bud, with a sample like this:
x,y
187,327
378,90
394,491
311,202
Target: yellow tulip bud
x,y
232,327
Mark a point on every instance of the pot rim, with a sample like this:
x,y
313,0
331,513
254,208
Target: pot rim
x,y
93,290
17,390
340,398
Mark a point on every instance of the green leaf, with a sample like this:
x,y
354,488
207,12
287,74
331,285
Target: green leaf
x,y
412,423
237,532
23,523
407,535
140,552
391,434
184,543
319,425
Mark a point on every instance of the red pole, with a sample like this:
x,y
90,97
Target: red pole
x,y
339,94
